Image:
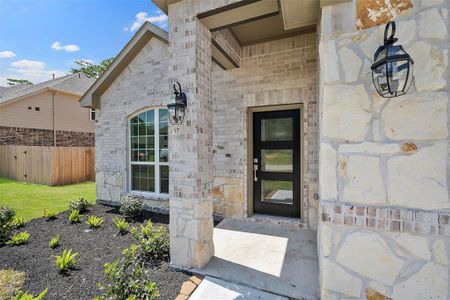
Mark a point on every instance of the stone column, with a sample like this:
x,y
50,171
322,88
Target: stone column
x,y
191,177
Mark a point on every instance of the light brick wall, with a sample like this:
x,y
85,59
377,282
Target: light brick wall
x,y
142,85
271,73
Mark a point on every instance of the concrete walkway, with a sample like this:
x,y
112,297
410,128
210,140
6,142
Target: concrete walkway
x,y
216,289
272,258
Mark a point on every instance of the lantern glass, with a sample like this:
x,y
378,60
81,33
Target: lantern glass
x,y
176,112
392,68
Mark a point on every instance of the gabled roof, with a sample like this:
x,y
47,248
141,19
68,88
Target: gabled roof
x,y
147,31
76,84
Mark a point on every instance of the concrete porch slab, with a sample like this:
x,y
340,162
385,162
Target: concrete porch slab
x,y
213,288
272,258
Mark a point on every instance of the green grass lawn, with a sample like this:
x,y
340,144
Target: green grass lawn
x,y
30,200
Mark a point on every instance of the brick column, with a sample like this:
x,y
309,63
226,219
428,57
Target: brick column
x,y
191,178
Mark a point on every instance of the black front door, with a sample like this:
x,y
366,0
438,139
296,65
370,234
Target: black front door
x,y
276,163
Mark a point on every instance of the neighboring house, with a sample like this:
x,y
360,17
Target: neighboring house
x,y
47,114
283,119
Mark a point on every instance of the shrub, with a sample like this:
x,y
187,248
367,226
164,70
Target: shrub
x,y
50,214
19,238
54,242
94,222
75,216
66,261
154,240
81,204
127,278
6,222
18,222
121,225
21,296
130,206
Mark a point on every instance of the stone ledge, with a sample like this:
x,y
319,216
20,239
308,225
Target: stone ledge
x,y
387,218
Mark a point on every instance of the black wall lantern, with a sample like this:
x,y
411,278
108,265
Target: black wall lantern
x,y
392,70
178,108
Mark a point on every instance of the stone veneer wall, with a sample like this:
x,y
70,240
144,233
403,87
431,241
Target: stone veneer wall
x,y
142,85
272,73
44,137
384,164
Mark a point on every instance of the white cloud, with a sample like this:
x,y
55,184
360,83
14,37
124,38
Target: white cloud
x,y
28,64
159,19
33,70
68,48
7,54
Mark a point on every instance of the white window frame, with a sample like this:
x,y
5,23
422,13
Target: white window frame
x,y
91,110
157,193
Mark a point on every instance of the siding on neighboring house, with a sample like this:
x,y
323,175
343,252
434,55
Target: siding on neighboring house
x,y
22,124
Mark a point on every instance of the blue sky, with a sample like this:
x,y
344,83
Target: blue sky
x,y
39,38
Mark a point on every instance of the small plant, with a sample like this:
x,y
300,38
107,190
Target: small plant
x,y
18,222
6,222
66,261
130,206
94,221
50,215
21,296
54,242
19,238
121,225
154,240
75,216
81,204
127,278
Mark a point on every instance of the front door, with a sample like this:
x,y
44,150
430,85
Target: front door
x,y
276,163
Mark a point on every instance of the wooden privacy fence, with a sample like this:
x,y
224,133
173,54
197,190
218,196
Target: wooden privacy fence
x,y
47,165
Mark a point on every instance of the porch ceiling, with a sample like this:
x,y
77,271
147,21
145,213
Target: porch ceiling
x,y
255,21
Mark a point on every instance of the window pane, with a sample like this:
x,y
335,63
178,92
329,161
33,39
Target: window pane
x,y
163,115
142,129
150,128
134,155
164,176
149,155
151,116
276,160
134,120
142,142
276,129
163,155
150,141
134,129
277,191
143,178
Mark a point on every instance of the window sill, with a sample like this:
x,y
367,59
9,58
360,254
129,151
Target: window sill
x,y
151,196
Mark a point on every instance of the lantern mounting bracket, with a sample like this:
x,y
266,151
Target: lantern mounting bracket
x,y
179,94
391,39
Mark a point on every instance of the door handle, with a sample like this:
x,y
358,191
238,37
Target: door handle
x,y
255,169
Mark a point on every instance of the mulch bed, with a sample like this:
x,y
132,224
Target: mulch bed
x,y
95,247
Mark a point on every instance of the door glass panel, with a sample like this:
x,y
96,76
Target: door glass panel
x,y
276,160
276,129
277,191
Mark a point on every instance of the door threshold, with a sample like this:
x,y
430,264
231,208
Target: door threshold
x,y
283,221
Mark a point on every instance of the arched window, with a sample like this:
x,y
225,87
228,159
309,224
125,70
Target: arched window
x,y
149,152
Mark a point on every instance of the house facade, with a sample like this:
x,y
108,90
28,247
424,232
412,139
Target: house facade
x,y
47,114
283,120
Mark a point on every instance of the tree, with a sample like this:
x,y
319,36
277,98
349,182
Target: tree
x,y
14,82
90,69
